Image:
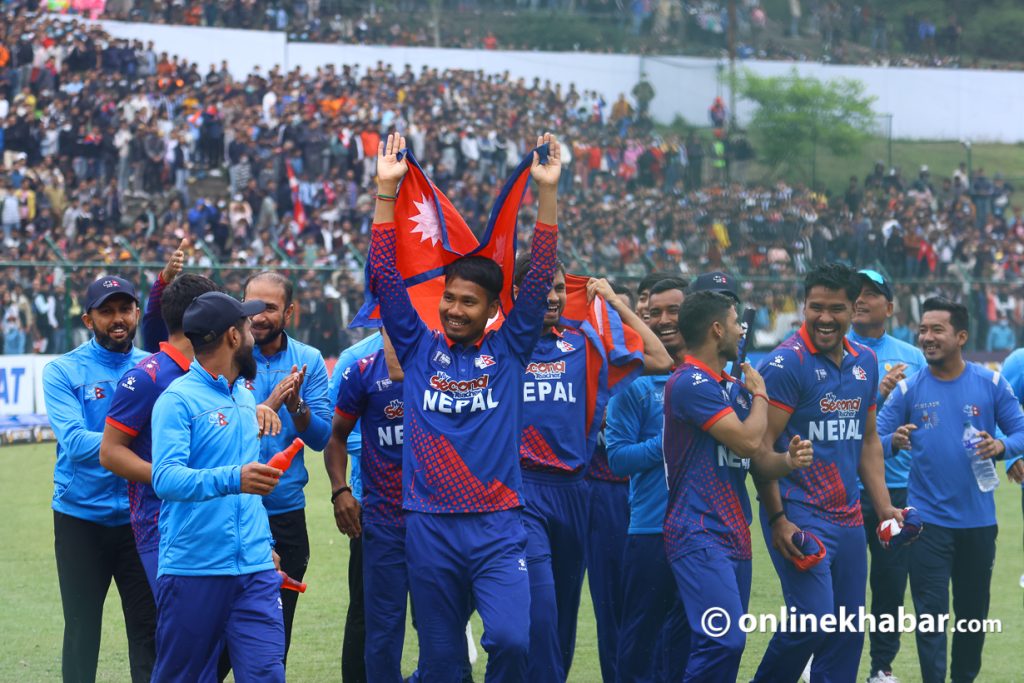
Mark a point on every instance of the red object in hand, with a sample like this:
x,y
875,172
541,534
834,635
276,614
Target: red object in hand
x,y
812,548
282,460
291,584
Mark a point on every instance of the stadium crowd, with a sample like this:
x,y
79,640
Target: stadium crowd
x,y
113,151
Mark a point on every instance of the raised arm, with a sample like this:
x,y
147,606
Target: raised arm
x,y
657,360
154,330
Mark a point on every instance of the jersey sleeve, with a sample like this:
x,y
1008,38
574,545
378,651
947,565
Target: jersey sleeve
x,y
892,416
132,405
400,318
1009,418
67,416
154,330
314,393
525,322
351,392
698,399
781,373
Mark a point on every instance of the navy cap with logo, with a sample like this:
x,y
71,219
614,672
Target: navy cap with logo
x,y
106,287
716,281
876,280
211,314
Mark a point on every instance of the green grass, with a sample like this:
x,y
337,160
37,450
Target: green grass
x,y
32,624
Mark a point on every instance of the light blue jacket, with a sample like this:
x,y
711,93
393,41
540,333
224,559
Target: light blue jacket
x,y
203,432
891,351
78,388
288,494
634,425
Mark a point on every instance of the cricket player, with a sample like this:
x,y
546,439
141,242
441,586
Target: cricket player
x,y
92,536
823,389
462,397
217,584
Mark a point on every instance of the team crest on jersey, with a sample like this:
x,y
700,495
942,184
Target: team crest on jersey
x,y
442,358
95,393
151,368
821,373
564,346
971,410
484,361
394,410
249,385
842,407
860,373
129,383
776,362
383,384
217,419
546,370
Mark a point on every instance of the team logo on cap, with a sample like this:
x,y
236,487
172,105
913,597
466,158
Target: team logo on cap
x,y
111,283
719,279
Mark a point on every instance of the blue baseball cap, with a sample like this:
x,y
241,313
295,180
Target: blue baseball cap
x,y
211,314
106,287
876,280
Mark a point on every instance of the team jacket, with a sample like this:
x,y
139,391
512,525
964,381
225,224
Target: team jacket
x,y
708,505
829,406
288,494
204,431
942,486
131,413
890,352
636,420
463,404
368,395
78,388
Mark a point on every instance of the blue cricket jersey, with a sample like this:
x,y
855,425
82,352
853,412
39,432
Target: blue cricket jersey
x,y
354,444
565,392
708,505
78,388
131,412
270,370
205,430
828,405
635,422
599,469
942,486
463,404
367,394
890,352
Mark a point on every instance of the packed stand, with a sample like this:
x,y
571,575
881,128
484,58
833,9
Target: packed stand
x,y
113,152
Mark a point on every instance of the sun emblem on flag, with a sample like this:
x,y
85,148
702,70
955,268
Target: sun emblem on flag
x,y
427,224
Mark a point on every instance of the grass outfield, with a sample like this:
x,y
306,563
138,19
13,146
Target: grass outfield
x,y
32,624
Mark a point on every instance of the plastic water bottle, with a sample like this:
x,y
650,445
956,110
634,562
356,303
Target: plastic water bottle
x,y
984,469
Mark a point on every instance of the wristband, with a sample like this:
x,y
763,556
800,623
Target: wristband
x,y
338,492
764,396
387,197
774,518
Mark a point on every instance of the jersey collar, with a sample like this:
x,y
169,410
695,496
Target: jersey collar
x,y
867,341
806,337
176,355
718,377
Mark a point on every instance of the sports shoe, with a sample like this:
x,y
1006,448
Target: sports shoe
x,y
883,677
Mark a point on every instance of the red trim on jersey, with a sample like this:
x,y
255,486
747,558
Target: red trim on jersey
x,y
121,427
780,406
176,355
348,416
717,376
806,337
716,417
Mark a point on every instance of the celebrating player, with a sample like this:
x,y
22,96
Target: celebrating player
x,y
92,536
823,389
216,578
927,415
564,394
462,399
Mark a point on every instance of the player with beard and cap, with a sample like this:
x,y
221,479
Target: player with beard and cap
x,y
823,388
93,539
652,633
217,583
291,378
565,390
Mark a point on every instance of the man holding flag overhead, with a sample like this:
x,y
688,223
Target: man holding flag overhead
x,y
462,392
579,362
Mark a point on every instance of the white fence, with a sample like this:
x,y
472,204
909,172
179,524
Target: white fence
x,y
938,104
